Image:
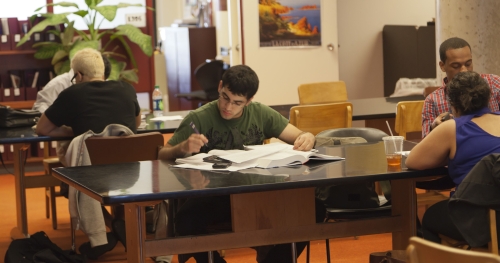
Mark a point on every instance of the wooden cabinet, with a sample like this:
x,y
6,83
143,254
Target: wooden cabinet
x,y
409,52
185,48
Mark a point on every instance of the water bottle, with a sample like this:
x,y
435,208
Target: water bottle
x,y
157,102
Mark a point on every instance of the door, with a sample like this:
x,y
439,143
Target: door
x,y
282,70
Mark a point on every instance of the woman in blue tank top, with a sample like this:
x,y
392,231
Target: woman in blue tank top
x,y
459,143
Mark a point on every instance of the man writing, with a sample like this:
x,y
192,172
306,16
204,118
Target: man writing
x,y
456,56
229,123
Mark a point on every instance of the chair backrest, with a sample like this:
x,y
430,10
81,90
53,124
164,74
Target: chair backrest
x,y
369,134
317,118
423,251
209,74
429,90
409,117
322,92
122,149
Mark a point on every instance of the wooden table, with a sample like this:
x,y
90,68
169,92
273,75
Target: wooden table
x,y
22,137
266,209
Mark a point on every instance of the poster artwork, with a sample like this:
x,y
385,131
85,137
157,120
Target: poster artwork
x,y
289,23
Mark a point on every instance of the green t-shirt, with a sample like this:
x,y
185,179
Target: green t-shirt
x,y
257,123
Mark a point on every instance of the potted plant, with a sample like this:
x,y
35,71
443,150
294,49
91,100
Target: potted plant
x,y
61,52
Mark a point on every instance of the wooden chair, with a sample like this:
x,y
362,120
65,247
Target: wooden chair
x,y
322,92
421,250
51,193
492,245
320,117
122,149
429,90
409,117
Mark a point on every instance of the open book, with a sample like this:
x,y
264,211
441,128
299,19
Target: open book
x,y
261,156
289,157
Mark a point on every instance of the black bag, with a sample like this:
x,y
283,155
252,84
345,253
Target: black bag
x,y
349,196
391,256
38,248
10,118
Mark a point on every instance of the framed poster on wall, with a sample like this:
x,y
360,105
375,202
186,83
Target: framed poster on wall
x,y
289,23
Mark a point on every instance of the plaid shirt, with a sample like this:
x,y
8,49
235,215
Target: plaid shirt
x,y
436,102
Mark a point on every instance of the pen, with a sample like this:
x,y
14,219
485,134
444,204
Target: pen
x,y
196,130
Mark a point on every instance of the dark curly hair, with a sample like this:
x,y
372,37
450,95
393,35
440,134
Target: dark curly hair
x,y
468,92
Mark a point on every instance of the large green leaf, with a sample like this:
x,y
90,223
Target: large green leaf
x,y
92,3
136,36
51,20
81,13
129,76
122,5
62,67
83,44
47,43
60,54
69,33
125,45
107,11
63,4
116,68
46,52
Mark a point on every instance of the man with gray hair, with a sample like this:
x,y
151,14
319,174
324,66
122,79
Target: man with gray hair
x,y
91,104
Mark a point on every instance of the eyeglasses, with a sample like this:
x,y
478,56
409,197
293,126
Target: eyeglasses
x,y
73,80
227,100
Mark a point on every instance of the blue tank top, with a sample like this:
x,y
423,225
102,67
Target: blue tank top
x,y
473,143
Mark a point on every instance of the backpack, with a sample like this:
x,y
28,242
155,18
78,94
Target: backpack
x,y
39,249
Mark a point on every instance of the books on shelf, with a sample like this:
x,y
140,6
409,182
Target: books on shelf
x,y
260,156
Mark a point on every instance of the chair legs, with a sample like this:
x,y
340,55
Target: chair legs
x,y
327,242
294,252
47,200
210,257
50,205
308,251
73,234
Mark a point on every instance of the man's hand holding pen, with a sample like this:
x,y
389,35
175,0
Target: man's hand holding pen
x,y
194,143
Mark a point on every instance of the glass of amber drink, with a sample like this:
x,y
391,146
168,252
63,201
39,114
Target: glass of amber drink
x,y
393,149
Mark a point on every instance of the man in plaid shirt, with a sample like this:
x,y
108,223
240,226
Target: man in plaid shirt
x,y
456,56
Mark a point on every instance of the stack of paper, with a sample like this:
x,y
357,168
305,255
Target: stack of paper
x,y
261,156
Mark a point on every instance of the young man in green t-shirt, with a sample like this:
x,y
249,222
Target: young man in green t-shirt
x,y
229,123
233,121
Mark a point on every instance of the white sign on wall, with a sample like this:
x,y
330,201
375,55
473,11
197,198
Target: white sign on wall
x,y
137,20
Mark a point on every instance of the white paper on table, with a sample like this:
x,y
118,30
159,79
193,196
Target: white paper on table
x,y
167,118
208,166
256,152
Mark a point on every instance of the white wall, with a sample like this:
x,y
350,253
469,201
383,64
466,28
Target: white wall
x,y
167,11
360,24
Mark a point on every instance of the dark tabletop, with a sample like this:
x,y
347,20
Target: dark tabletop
x,y
364,109
157,180
28,135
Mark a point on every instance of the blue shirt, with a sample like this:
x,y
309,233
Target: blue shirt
x,y
473,143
